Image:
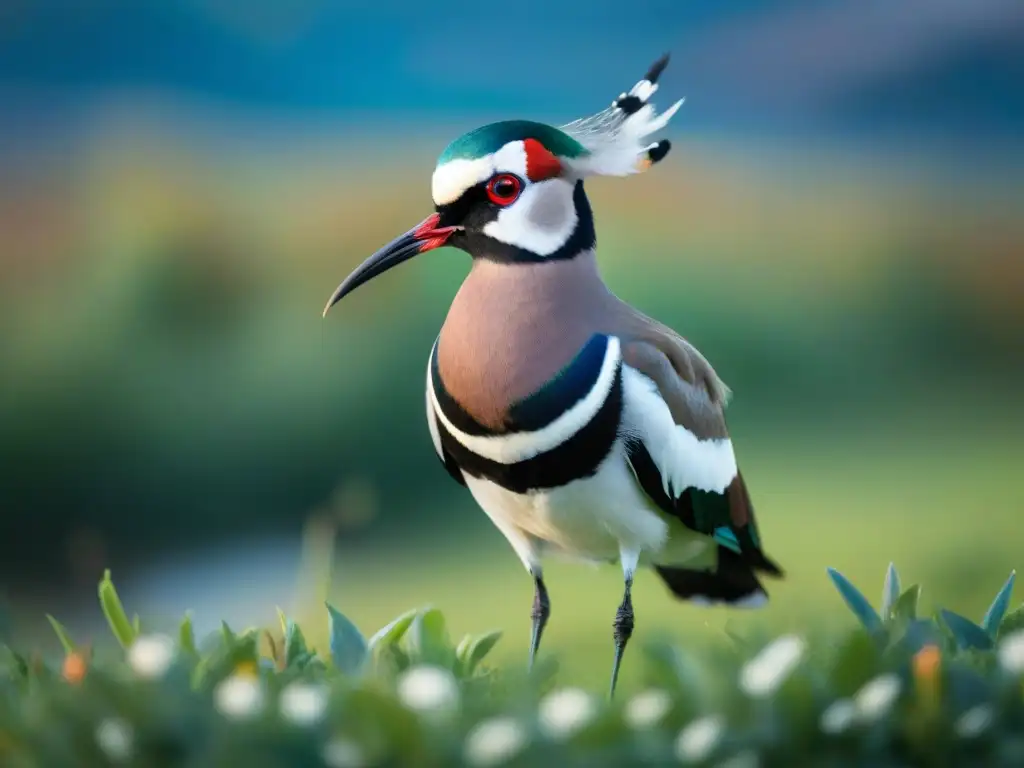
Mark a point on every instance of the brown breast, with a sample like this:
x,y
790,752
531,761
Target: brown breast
x,y
512,327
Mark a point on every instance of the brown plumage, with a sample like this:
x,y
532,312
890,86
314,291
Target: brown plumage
x,y
511,328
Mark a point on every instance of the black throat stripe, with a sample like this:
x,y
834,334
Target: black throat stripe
x,y
576,458
566,388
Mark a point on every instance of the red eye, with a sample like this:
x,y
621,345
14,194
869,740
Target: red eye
x,y
504,189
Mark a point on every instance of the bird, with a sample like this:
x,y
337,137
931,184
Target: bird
x,y
579,425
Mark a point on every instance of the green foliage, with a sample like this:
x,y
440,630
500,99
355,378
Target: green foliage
x,y
896,690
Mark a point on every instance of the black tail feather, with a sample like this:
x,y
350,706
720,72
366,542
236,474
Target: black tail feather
x,y
733,581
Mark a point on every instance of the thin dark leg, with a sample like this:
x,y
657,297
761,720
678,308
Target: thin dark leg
x,y
539,615
622,630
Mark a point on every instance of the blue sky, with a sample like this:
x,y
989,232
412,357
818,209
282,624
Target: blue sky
x,y
929,64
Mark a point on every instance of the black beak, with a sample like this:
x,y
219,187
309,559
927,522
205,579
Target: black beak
x,y
425,237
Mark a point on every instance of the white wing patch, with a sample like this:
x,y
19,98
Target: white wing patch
x,y
683,460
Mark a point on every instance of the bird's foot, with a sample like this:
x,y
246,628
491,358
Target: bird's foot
x,y
622,630
539,616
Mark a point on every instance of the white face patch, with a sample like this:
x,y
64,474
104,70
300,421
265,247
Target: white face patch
x,y
541,221
456,176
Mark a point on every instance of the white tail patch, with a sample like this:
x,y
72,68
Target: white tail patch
x,y
753,601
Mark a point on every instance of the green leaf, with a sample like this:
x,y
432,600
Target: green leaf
x,y
906,606
994,615
472,650
296,653
228,635
348,646
916,634
966,633
62,635
856,601
1013,621
856,661
428,639
187,636
890,592
137,624
122,628
394,631
284,621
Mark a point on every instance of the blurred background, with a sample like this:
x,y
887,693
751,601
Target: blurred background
x,y
840,228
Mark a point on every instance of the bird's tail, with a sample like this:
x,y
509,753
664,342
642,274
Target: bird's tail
x,y
732,583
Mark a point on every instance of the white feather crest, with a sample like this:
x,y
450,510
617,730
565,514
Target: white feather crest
x,y
616,137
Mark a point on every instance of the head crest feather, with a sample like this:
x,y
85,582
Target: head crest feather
x,y
616,138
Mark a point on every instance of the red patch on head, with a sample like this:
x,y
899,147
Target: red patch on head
x,y
540,163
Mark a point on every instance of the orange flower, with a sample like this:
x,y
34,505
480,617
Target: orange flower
x,y
74,668
927,663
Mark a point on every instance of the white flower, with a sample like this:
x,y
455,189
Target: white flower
x,y
974,721
150,656
838,717
494,741
563,713
698,739
748,758
1011,653
239,696
343,753
428,689
303,703
647,708
114,737
763,674
876,697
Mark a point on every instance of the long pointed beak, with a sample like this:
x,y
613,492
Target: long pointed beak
x,y
422,238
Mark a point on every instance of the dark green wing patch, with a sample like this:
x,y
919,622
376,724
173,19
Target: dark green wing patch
x,y
726,517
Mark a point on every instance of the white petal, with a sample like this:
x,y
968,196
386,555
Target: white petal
x,y
1011,653
150,656
974,722
564,712
303,703
343,753
763,674
698,739
874,700
239,696
115,738
495,741
648,708
428,689
839,716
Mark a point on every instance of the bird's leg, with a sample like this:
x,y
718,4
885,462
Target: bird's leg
x,y
539,614
622,627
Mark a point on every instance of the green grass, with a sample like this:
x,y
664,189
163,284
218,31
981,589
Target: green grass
x,y
900,689
947,510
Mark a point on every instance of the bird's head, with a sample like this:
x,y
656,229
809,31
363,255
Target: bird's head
x,y
512,191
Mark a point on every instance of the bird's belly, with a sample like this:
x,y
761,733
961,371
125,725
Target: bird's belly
x,y
593,517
